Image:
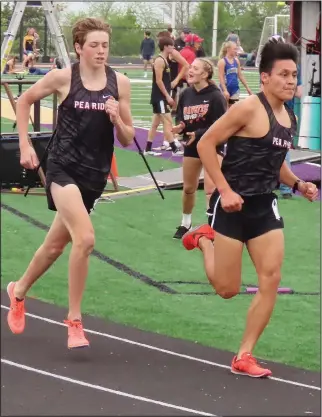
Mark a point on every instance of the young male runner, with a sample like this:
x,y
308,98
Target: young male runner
x,y
93,101
243,209
161,99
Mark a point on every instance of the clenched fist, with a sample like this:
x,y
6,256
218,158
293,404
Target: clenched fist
x,y
28,158
112,109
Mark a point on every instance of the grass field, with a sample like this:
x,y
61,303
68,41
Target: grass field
x,y
137,232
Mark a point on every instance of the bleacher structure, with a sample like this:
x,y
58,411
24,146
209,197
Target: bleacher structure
x,y
53,25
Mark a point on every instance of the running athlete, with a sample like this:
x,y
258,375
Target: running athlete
x,y
93,101
161,99
230,73
200,105
243,209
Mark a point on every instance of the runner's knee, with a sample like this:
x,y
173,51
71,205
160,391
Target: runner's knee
x,y
269,279
227,291
189,189
84,241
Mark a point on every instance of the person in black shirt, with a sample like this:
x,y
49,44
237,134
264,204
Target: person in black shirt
x,y
94,100
200,105
180,43
147,50
161,99
243,209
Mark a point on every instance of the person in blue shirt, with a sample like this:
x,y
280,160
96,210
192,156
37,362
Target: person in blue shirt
x,y
229,73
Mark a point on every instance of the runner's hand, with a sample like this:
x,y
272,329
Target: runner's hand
x,y
231,201
226,95
112,109
192,138
178,128
170,101
28,158
308,190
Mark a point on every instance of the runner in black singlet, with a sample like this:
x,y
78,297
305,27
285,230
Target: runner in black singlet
x,y
161,100
94,101
84,142
243,209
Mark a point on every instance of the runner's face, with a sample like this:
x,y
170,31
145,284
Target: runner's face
x,y
196,72
232,51
282,80
168,49
95,49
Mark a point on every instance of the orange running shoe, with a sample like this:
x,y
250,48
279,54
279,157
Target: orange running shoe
x,y
190,239
16,316
76,336
247,365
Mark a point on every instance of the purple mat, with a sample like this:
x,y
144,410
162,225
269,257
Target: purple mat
x,y
142,136
307,172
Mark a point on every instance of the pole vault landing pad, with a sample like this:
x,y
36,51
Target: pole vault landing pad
x,y
305,155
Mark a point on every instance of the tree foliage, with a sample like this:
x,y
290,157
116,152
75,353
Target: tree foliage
x,y
129,20
245,18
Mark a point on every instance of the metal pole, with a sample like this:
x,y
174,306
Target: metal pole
x,y
173,15
214,29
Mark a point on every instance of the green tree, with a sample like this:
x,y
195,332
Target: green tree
x,y
245,18
202,23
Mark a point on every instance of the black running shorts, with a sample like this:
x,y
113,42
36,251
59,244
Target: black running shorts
x,y
161,107
258,216
56,173
192,152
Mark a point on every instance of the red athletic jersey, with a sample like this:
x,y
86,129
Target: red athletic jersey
x,y
189,55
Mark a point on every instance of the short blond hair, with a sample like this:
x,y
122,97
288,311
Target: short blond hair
x,y
84,26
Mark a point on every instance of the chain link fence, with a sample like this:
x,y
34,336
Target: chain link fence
x,y
125,42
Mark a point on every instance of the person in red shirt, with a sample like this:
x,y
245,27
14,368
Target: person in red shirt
x,y
189,53
193,43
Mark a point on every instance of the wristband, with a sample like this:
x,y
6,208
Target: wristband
x,y
296,186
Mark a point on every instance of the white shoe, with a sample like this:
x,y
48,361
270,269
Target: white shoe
x,y
178,152
152,153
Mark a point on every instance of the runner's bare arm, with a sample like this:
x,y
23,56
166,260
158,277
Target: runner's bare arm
x,y
221,75
228,125
242,78
286,175
159,67
51,83
124,124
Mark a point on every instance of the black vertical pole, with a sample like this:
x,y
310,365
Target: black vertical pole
x,y
46,42
21,40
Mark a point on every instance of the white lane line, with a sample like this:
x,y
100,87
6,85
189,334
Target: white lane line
x,y
168,352
104,389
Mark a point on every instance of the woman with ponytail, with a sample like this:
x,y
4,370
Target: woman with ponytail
x,y
230,73
200,105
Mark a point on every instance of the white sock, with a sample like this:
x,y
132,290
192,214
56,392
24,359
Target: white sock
x,y
186,220
177,143
166,143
